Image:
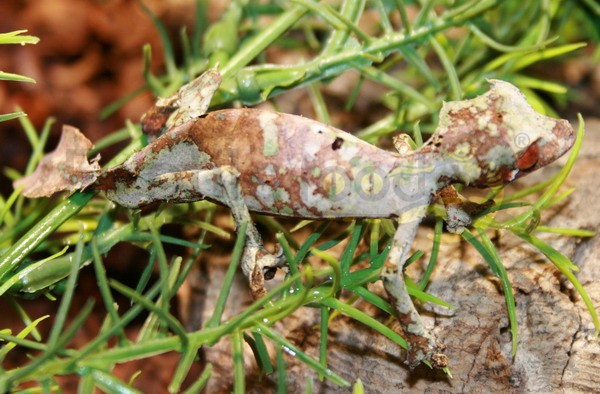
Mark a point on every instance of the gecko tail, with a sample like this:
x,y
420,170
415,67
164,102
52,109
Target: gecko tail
x,y
65,169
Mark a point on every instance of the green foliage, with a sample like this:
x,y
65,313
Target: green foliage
x,y
15,37
419,62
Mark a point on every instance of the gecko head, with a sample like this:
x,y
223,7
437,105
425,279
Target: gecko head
x,y
498,137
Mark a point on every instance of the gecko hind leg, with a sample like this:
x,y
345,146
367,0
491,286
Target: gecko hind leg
x,y
222,184
257,263
422,345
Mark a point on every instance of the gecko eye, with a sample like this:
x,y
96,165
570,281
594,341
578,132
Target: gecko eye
x,y
529,158
269,272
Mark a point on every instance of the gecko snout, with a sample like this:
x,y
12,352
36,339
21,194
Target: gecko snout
x,y
550,147
563,139
545,149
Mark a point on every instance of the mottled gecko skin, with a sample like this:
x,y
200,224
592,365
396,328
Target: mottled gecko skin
x,y
281,164
301,169
297,167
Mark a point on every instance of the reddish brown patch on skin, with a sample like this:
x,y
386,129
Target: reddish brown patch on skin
x,y
505,175
155,119
257,283
109,180
449,195
529,158
176,135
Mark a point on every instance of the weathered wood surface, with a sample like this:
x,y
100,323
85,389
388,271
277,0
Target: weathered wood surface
x,y
557,351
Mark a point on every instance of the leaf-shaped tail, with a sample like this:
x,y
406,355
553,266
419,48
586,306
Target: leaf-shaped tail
x,y
65,168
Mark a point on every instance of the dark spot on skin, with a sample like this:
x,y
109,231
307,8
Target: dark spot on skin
x,y
337,143
320,131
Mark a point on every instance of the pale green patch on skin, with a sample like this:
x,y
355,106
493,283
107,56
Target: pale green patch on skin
x,y
470,172
484,119
270,133
355,161
286,210
281,194
493,128
316,172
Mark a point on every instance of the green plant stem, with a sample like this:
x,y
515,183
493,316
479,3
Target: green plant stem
x,y
16,253
269,80
239,375
257,44
219,308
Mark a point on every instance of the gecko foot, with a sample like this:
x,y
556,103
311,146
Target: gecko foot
x,y
260,265
422,346
460,212
460,216
438,359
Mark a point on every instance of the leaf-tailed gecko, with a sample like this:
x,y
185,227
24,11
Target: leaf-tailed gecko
x,y
279,164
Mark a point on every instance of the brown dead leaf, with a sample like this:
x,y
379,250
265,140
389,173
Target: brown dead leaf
x,y
65,168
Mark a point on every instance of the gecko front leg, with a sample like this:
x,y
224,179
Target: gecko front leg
x,y
460,212
422,346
